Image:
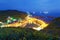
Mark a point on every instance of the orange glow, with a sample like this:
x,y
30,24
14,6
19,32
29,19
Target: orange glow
x,y
29,20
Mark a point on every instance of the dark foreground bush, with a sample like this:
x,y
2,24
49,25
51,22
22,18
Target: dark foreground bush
x,y
23,34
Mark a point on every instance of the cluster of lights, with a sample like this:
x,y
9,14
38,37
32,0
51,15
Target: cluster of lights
x,y
22,23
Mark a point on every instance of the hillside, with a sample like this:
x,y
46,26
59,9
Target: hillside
x,y
24,34
17,14
53,28
51,32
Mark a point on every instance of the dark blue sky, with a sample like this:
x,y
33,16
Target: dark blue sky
x,y
30,5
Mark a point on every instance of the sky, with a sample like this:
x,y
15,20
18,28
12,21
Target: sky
x,y
30,5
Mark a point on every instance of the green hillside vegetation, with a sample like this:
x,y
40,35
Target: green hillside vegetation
x,y
53,28
24,34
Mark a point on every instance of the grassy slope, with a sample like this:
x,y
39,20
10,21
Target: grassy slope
x,y
23,34
53,28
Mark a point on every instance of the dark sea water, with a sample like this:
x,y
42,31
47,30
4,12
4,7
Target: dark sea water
x,y
44,17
